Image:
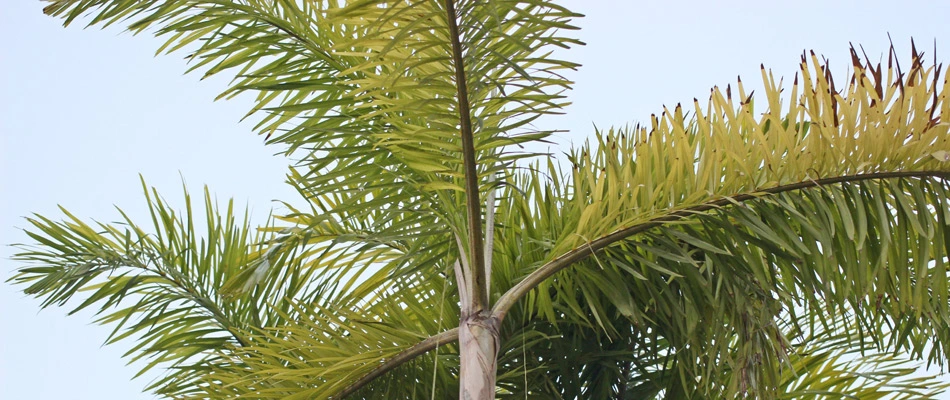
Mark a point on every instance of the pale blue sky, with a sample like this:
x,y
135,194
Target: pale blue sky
x,y
83,112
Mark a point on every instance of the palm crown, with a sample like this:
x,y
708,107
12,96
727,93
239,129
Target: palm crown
x,y
736,246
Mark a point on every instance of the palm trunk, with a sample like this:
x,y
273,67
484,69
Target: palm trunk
x,y
479,343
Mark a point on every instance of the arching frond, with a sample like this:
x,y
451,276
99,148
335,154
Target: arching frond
x,y
833,205
641,179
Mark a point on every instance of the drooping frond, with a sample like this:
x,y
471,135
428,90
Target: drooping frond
x,y
726,302
634,180
726,219
716,285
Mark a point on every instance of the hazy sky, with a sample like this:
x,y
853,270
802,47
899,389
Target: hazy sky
x,y
83,112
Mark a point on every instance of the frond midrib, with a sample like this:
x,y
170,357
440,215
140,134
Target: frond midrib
x,y
559,263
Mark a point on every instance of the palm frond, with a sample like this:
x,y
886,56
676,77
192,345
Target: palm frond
x,y
366,90
325,349
715,284
637,180
835,204
828,365
678,162
162,285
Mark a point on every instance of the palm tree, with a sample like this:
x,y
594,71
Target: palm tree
x,y
717,251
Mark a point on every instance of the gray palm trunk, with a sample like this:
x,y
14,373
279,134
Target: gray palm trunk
x,y
479,342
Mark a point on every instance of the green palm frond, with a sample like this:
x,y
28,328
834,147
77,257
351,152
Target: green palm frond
x,y
678,162
325,349
722,221
162,285
204,301
366,90
827,364
575,361
641,179
719,281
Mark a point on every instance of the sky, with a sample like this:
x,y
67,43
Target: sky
x,y
84,112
